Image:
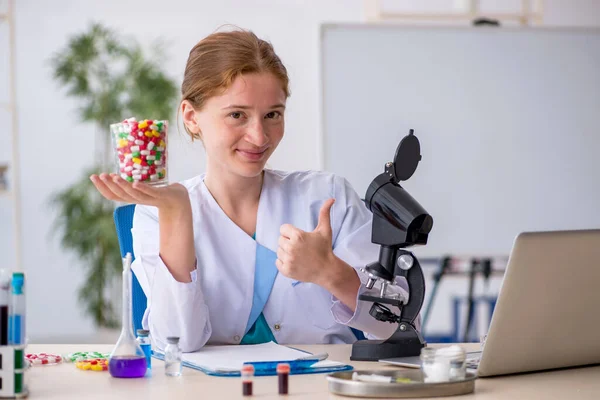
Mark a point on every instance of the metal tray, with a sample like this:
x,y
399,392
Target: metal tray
x,y
341,383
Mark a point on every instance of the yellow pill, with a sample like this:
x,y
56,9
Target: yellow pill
x,y
136,160
162,143
143,124
84,366
155,134
148,134
122,143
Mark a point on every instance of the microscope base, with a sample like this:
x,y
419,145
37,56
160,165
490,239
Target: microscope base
x,y
395,346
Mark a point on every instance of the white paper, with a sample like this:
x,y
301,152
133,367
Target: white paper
x,y
231,358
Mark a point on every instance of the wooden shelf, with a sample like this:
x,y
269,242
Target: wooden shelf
x,y
461,16
530,12
3,173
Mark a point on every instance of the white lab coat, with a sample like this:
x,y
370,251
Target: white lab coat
x,y
214,308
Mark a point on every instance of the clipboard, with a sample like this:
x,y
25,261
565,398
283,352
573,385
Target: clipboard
x,y
228,360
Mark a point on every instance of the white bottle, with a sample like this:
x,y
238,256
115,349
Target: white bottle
x,y
172,357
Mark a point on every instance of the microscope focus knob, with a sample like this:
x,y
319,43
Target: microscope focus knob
x,y
370,283
405,262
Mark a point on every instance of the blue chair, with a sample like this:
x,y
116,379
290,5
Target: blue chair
x,y
123,221
123,217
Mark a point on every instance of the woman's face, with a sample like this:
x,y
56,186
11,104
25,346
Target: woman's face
x,y
241,127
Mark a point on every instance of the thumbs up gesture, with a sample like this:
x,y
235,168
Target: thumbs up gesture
x,y
305,256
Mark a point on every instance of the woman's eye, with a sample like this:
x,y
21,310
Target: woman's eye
x,y
273,115
236,115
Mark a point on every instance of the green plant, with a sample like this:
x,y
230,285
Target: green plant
x,y
112,79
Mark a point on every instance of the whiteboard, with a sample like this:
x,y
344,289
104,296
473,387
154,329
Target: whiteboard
x,y
508,120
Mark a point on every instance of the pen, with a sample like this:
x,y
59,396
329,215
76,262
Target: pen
x,y
379,378
318,357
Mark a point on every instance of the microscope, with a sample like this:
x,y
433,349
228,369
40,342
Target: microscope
x,y
399,221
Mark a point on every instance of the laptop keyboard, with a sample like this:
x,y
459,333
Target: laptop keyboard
x,y
473,364
473,359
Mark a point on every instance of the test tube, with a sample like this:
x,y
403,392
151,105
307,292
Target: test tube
x,y
5,277
283,373
247,375
16,322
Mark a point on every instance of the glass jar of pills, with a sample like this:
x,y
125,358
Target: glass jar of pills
x,y
140,149
443,364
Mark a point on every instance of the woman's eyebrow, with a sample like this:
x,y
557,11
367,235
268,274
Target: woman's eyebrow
x,y
244,107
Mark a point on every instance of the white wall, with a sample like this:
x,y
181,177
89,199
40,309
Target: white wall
x,y
55,147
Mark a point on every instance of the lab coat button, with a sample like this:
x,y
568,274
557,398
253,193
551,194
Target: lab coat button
x,y
236,338
277,327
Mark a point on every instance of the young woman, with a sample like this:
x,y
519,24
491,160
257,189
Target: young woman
x,y
244,254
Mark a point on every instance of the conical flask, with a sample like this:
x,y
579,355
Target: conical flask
x,y
127,359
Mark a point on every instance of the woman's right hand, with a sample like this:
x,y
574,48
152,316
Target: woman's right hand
x,y
174,218
113,187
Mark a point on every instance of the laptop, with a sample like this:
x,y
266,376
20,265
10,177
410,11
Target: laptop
x,y
546,316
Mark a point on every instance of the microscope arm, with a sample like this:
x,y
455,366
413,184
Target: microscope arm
x,y
416,286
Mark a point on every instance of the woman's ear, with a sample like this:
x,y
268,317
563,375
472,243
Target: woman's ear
x,y
188,113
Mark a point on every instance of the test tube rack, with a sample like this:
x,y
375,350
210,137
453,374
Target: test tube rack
x,y
13,369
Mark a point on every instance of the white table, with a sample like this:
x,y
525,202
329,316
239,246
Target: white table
x,y
66,382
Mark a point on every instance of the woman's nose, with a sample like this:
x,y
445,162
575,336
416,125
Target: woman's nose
x,y
257,134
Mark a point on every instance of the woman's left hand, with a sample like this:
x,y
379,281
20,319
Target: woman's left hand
x,y
307,256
